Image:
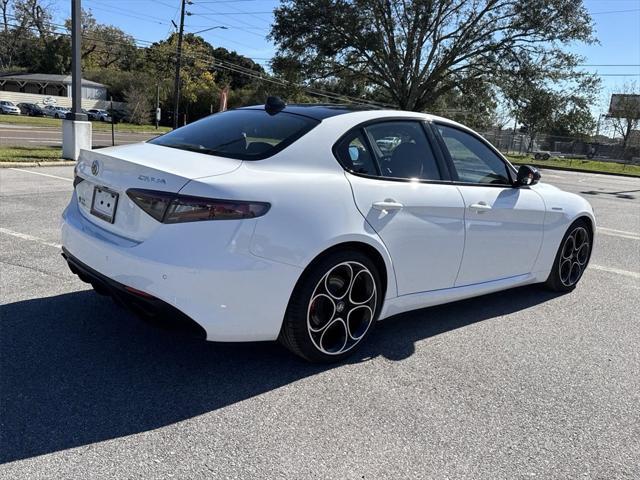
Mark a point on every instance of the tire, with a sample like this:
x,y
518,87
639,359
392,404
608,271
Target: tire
x,y
568,267
57,116
546,156
345,284
537,156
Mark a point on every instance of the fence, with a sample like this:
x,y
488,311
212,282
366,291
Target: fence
x,y
602,148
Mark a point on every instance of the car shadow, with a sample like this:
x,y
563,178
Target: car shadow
x,y
76,369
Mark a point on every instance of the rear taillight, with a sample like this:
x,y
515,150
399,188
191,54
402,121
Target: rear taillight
x,y
172,208
76,178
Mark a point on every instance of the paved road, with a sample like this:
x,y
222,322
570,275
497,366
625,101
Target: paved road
x,y
22,135
520,384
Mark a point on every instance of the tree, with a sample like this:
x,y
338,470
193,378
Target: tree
x,y
415,51
105,46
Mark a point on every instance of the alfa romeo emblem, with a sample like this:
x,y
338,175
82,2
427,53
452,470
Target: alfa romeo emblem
x,y
95,167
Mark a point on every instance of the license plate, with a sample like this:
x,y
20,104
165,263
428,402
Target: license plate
x,y
104,204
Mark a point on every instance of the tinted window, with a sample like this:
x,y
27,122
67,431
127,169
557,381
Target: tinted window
x,y
403,150
474,161
241,134
354,154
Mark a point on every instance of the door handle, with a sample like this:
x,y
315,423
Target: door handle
x,y
387,205
480,207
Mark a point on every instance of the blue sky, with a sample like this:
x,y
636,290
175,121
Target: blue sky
x,y
248,21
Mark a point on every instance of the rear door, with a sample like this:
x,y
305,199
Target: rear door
x,y
503,223
399,188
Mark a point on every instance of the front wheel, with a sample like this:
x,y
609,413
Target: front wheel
x,y
333,308
572,258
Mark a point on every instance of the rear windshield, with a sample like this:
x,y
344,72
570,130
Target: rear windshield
x,y
241,134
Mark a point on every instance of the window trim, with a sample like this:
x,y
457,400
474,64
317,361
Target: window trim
x,y
443,168
511,171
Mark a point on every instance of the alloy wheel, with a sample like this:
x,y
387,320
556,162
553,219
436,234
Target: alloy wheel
x,y
574,256
342,308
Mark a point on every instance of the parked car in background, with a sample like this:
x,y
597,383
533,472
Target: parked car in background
x,y
99,114
30,109
55,112
9,108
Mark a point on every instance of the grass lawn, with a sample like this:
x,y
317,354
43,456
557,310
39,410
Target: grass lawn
x,y
30,154
97,126
578,164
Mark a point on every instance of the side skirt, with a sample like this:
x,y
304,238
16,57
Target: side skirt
x,y
405,303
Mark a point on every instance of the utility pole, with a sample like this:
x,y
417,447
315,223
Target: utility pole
x,y
76,130
176,85
155,114
76,62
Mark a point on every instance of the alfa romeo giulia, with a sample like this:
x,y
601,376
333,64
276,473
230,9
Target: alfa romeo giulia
x,y
309,223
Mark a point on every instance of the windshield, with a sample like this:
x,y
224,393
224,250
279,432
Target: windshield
x,y
241,134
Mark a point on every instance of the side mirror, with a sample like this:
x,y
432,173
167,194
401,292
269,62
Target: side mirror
x,y
527,175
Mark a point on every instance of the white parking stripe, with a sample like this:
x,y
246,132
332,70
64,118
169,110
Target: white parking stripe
x,y
617,271
31,238
618,233
42,174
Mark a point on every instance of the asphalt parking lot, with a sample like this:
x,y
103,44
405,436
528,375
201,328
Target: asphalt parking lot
x,y
519,384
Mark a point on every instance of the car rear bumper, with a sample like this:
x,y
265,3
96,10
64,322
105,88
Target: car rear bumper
x,y
232,294
139,302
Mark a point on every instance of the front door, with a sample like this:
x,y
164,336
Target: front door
x,y
503,223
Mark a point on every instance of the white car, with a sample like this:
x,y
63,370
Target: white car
x,y
9,108
98,114
55,112
290,223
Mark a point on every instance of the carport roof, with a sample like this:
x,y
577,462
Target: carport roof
x,y
47,78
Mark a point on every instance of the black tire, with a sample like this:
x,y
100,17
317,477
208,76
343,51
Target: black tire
x,y
559,280
304,331
57,116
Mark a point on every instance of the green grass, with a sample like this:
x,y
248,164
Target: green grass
x,y
578,164
97,126
30,154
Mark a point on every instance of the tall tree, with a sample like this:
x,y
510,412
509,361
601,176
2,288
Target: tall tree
x,y
415,51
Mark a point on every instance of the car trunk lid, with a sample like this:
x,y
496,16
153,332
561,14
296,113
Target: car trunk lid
x,y
108,174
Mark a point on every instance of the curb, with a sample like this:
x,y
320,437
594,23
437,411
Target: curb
x,y
567,169
54,163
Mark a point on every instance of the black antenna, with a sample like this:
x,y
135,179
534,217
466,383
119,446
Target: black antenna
x,y
274,105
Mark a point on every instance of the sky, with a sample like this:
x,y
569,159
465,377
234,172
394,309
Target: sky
x,y
617,22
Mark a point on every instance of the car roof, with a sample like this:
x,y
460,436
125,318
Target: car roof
x,y
317,111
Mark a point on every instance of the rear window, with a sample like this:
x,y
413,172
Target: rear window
x,y
241,134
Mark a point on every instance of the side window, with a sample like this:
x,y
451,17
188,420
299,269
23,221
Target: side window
x,y
354,154
474,161
403,151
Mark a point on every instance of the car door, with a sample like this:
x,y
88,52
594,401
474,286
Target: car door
x,y
399,187
503,223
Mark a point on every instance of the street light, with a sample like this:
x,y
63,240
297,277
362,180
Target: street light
x,y
221,27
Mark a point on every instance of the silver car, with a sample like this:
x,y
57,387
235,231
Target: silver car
x,y
9,108
55,112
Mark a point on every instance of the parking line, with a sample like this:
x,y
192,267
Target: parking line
x,y
617,271
31,238
42,174
618,233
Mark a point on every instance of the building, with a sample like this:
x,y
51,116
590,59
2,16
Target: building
x,y
47,89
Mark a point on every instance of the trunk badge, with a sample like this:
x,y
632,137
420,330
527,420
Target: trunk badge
x,y
95,168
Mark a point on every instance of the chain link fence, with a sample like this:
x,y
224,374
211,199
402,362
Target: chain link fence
x,y
545,146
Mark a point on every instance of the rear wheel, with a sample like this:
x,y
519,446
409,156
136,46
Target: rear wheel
x,y
333,308
572,258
